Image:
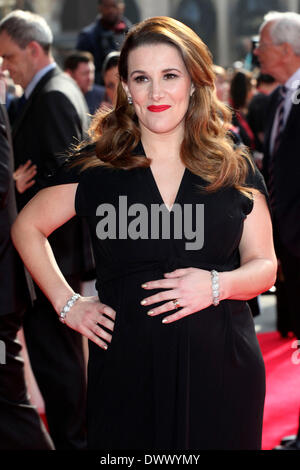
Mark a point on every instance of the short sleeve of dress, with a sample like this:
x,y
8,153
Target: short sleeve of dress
x,y
81,202
256,181
65,174
68,174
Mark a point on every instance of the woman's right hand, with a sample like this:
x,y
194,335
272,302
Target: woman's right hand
x,y
88,315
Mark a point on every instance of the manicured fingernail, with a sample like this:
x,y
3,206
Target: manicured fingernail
x,y
105,346
150,312
165,320
145,285
143,302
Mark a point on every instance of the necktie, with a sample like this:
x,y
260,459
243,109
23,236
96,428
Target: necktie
x,y
277,139
280,119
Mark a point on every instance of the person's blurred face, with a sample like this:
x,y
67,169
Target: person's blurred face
x,y
19,62
111,11
111,80
251,91
222,88
160,87
84,76
270,55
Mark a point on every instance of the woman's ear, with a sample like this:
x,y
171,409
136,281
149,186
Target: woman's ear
x,y
126,89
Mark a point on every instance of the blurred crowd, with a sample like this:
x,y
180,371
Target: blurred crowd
x,y
93,65
246,92
241,85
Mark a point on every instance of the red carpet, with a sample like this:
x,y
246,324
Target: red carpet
x,y
282,403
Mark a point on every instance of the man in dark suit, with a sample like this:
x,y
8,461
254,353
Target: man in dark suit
x,y
52,116
105,34
279,55
20,424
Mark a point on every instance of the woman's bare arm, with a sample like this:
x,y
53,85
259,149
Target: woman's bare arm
x,y
48,210
257,272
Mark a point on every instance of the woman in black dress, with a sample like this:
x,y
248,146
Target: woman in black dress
x,y
182,238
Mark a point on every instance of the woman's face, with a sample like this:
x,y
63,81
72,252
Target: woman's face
x,y
160,87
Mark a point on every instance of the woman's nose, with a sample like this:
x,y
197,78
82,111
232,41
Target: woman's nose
x,y
156,90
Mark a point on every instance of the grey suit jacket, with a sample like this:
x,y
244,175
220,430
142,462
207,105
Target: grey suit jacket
x,y
54,118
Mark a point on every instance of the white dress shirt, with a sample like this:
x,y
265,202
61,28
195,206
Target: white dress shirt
x,y
38,76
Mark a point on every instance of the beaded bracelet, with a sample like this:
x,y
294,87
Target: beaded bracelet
x,y
67,307
215,287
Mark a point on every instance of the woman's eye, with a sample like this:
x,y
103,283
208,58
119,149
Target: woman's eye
x,y
140,78
170,76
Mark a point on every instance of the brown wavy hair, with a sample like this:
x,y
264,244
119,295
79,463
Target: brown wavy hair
x,y
207,148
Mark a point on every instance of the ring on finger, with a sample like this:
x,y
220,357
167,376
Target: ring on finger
x,y
176,303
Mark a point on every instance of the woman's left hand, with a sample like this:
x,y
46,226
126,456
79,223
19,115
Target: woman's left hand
x,y
190,287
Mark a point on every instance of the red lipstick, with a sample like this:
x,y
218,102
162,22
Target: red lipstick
x,y
158,109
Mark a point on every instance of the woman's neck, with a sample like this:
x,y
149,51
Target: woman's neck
x,y
162,146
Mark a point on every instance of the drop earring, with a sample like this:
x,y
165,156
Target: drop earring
x,y
130,101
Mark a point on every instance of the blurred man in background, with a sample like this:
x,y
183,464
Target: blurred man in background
x,y
279,56
80,66
105,34
278,52
52,112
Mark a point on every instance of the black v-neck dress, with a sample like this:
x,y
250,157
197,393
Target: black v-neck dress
x,y
197,383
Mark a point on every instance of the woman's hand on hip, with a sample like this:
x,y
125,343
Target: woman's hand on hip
x,y
89,317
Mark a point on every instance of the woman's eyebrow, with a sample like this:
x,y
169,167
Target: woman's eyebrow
x,y
137,71
170,69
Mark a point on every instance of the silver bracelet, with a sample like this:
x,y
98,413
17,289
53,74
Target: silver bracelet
x,y
215,287
67,307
